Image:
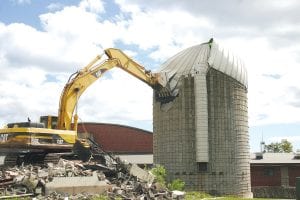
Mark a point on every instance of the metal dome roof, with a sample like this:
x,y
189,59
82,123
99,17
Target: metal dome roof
x,y
198,59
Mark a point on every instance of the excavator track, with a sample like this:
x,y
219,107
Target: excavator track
x,y
52,158
11,160
15,159
93,153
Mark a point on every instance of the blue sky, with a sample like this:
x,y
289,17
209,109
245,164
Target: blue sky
x,y
27,12
42,42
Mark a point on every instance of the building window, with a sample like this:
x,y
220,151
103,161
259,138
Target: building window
x,y
269,171
202,166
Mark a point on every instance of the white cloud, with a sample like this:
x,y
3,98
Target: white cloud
x,y
83,31
29,55
72,35
288,138
25,94
117,99
92,5
278,4
167,31
268,99
55,6
23,46
271,74
71,38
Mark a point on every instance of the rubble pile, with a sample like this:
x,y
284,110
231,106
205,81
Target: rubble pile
x,y
32,179
78,180
132,188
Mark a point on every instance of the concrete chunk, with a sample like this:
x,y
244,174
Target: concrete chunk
x,y
76,185
141,174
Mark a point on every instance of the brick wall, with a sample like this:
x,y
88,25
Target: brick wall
x,y
294,171
265,176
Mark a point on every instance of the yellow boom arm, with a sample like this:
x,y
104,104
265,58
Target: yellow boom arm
x,y
82,79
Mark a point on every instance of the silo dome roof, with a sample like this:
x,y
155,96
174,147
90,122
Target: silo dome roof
x,y
198,59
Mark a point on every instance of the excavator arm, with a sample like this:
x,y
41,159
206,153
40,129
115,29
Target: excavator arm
x,y
28,142
133,68
82,79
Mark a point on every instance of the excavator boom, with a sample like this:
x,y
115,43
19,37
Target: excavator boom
x,y
74,89
89,74
127,64
59,134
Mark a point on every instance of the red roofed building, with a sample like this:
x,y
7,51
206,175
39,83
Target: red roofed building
x,y
273,175
133,144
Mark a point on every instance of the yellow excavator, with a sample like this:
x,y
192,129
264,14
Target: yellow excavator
x,y
28,142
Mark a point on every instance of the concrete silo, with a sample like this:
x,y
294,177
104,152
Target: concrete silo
x,y
201,132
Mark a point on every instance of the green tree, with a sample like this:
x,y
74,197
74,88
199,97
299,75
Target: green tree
x,y
286,146
279,147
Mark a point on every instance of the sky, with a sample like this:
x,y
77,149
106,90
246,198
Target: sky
x,y
43,42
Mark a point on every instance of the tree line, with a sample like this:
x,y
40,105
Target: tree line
x,y
279,147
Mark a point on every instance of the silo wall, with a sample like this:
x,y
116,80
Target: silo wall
x,y
226,171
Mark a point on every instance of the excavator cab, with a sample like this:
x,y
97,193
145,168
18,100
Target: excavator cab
x,y
49,121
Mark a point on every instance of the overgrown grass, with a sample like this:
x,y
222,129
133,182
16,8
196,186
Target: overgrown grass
x,y
102,197
196,195
240,198
191,196
105,197
202,195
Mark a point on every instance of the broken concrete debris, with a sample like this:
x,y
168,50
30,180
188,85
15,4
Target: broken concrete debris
x,y
77,184
141,174
78,180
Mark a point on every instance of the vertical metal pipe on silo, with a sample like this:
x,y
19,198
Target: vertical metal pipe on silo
x,y
201,116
